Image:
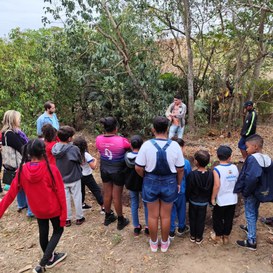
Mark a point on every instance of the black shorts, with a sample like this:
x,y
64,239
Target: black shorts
x,y
117,179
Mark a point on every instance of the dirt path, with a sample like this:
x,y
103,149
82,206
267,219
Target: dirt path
x,y
92,247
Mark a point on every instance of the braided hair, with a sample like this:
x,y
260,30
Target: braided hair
x,y
34,148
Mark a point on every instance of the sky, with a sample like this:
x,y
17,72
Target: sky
x,y
26,14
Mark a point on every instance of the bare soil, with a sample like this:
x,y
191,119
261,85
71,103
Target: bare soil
x,y
92,247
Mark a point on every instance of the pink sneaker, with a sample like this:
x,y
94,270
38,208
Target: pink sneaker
x,y
165,245
153,245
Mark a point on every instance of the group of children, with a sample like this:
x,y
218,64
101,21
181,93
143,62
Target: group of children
x,y
61,167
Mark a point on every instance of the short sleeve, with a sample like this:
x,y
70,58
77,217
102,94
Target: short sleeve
x,y
88,157
141,158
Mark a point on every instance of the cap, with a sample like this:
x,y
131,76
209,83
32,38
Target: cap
x,y
248,103
224,151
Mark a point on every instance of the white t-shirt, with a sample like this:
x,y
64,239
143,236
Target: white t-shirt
x,y
86,169
147,155
228,174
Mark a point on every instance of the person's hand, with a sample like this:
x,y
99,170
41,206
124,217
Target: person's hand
x,y
213,202
178,188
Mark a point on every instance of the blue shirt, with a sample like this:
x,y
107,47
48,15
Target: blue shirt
x,y
187,170
44,119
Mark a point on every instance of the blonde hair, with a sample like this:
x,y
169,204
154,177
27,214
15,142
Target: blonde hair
x,y
10,120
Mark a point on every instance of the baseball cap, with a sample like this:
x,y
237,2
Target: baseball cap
x,y
248,103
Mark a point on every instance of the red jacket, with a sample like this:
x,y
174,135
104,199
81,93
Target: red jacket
x,y
49,154
45,199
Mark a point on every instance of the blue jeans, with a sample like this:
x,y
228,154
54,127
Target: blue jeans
x,y
176,130
179,212
22,202
251,212
135,206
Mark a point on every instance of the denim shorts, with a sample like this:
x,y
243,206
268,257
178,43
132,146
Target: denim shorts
x,y
162,187
242,143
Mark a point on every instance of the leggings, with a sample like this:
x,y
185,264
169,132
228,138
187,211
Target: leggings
x,y
49,246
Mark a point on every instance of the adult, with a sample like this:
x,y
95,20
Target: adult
x,y
48,116
15,138
249,127
112,149
160,162
176,114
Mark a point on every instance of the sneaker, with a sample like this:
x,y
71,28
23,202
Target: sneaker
x,y
122,223
109,218
192,239
199,241
153,245
68,223
146,231
246,244
165,245
181,231
172,235
85,206
244,228
137,230
80,221
58,257
216,239
20,209
102,211
38,269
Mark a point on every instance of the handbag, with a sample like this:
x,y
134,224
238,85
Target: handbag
x,y
8,176
11,157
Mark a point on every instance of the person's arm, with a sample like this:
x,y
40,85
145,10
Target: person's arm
x,y
168,112
216,186
93,163
140,170
39,126
13,140
251,123
179,177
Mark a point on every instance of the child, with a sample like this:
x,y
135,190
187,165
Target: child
x,y
160,162
179,206
247,182
133,182
44,189
223,199
68,161
199,190
89,164
49,134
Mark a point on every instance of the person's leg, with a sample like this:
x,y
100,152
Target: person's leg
x,y
68,201
165,219
200,224
43,225
217,219
54,240
117,199
173,217
180,132
29,212
251,214
92,185
134,195
242,147
181,210
83,188
146,213
107,196
153,215
228,219
172,131
21,199
192,219
77,198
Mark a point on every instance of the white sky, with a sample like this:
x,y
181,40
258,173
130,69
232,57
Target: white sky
x,y
26,14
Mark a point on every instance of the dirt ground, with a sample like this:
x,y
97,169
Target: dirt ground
x,y
92,247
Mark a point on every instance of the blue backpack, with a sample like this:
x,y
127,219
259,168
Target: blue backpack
x,y
264,189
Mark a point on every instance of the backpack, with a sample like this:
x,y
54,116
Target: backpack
x,y
264,189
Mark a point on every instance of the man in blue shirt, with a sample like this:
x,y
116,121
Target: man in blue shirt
x,y
48,116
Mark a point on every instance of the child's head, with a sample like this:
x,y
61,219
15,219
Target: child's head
x,y
65,133
136,141
81,143
224,152
254,144
109,123
161,124
202,157
49,132
181,142
36,148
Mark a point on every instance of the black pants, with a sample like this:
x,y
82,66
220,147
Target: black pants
x,y
223,219
49,246
197,217
92,185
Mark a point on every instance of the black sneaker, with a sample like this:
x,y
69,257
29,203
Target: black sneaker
x,y
182,231
80,221
68,223
38,269
122,223
85,206
137,230
58,257
109,218
172,235
244,228
247,245
146,231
